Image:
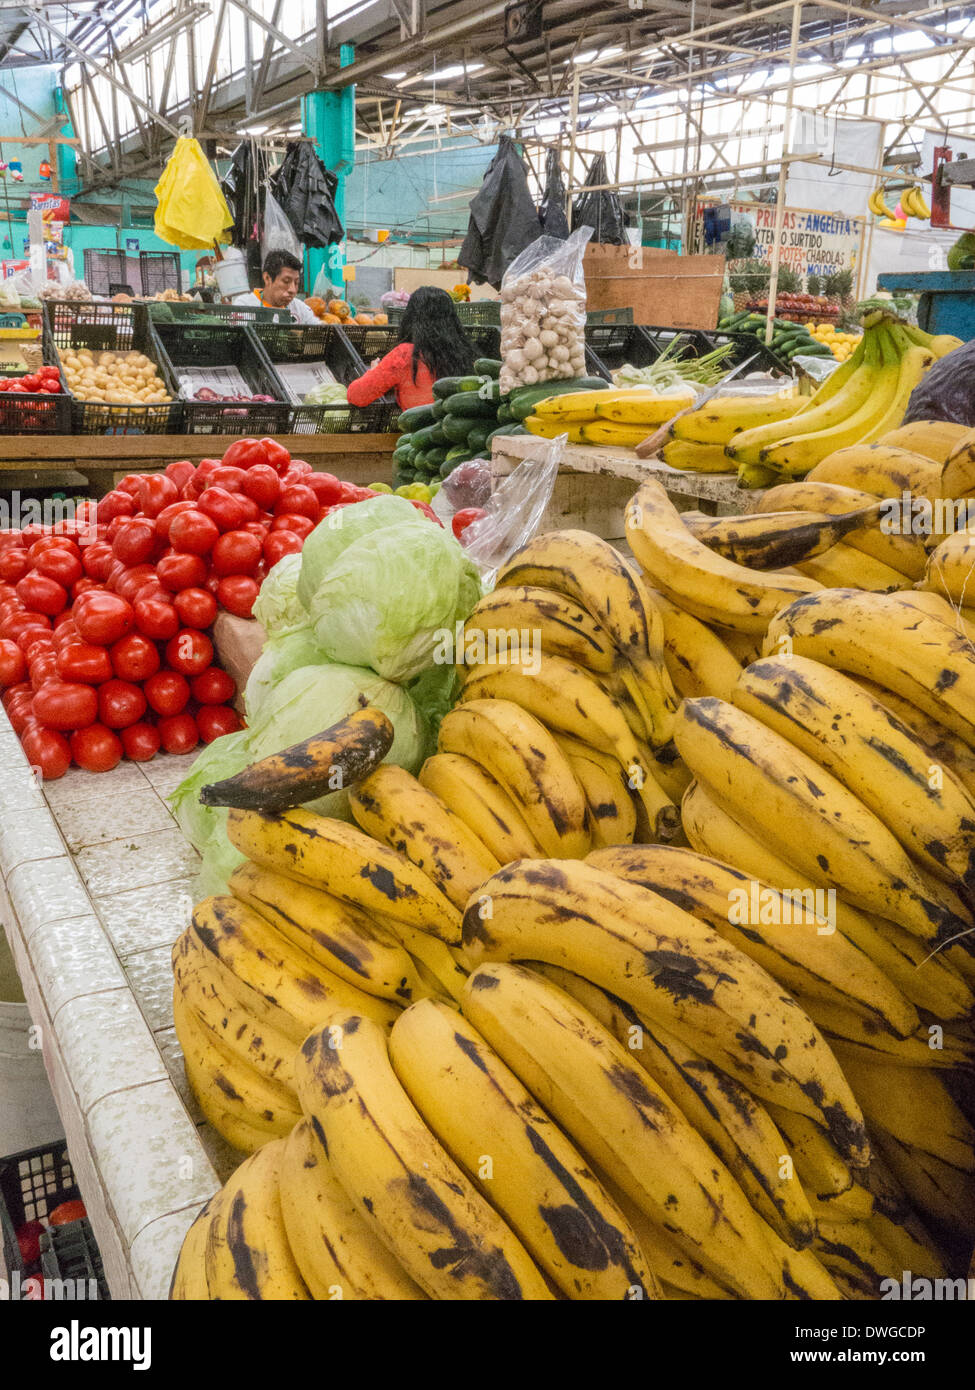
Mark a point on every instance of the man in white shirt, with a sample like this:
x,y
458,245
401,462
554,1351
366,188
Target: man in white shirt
x,y
282,281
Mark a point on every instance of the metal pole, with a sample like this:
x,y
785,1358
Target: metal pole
x,y
574,119
773,288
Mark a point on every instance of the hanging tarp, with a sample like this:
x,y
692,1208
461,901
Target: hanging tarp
x,y
191,210
551,212
601,210
305,191
503,218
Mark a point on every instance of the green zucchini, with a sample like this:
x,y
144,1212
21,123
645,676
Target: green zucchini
x,y
416,417
504,413
471,406
433,458
503,430
458,454
439,409
452,385
427,438
488,366
522,402
456,428
479,435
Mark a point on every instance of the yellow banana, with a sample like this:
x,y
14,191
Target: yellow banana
x,y
921,1114
880,470
287,976
946,748
517,750
944,1195
821,1168
694,457
738,1129
522,1163
189,1281
624,1123
482,804
694,577
399,1178
958,470
669,966
194,964
900,550
391,805
339,1256
775,540
856,1258
935,439
719,420
247,1255
852,1040
523,613
612,815
846,567
826,715
440,966
320,851
638,407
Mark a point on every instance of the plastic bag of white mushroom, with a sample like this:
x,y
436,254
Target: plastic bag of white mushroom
x,y
543,313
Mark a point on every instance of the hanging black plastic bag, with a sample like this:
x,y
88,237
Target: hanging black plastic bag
x,y
503,218
242,186
551,213
602,209
305,191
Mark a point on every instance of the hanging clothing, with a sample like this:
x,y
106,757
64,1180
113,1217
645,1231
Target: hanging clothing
x,y
394,372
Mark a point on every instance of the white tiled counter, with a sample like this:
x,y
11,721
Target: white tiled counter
x,y
98,883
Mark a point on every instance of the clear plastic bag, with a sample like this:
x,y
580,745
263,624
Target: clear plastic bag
x,y
543,312
513,511
278,233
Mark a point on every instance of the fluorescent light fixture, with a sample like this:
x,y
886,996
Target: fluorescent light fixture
x,y
596,55
254,129
393,76
445,74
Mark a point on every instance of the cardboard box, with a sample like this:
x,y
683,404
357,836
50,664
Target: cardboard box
x,y
662,288
410,278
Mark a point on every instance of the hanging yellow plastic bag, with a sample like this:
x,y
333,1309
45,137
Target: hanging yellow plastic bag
x,y
191,211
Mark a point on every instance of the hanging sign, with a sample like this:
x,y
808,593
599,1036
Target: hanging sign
x,y
813,243
51,206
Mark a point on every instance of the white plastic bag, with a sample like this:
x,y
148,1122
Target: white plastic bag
x,y
513,512
277,233
543,312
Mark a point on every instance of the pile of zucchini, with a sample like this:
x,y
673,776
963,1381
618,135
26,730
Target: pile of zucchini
x,y
467,412
789,339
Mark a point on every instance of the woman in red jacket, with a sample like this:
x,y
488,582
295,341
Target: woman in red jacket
x,y
431,344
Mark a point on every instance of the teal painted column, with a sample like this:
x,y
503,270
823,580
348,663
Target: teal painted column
x,y
329,119
67,159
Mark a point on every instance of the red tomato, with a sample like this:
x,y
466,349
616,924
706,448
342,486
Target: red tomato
x,y
80,661
237,594
141,742
114,526
131,582
131,484
426,509
155,617
103,618
298,500
193,532
14,564
65,631
262,484
96,559
462,519
135,542
20,713
167,692
120,703
134,658
83,586
179,472
44,671
228,477
10,539
48,750
17,691
29,1240
181,571
116,503
165,518
299,525
61,565
178,733
156,492
213,686
222,507
196,607
275,454
65,617
247,510
13,667
244,453
213,584
189,652
96,748
65,705
39,594
46,543
213,721
236,552
256,528
326,488
66,1212
19,624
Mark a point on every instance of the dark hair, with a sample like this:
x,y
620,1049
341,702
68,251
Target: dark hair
x,y
431,324
281,260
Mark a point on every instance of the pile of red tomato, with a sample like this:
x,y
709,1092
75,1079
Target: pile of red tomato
x,y
45,381
104,651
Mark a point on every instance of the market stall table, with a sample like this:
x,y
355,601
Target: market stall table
x,y
97,884
578,502
103,459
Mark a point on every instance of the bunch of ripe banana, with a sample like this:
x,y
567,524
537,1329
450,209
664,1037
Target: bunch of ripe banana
x,y
864,398
624,416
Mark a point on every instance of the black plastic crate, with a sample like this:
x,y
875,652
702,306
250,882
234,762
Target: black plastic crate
x,y
371,340
196,311
70,327
32,1183
326,343
485,340
697,342
187,345
615,344
158,271
36,412
610,316
69,1253
480,313
105,266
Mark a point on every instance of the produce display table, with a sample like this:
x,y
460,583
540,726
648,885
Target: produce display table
x,y
578,503
103,459
97,884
